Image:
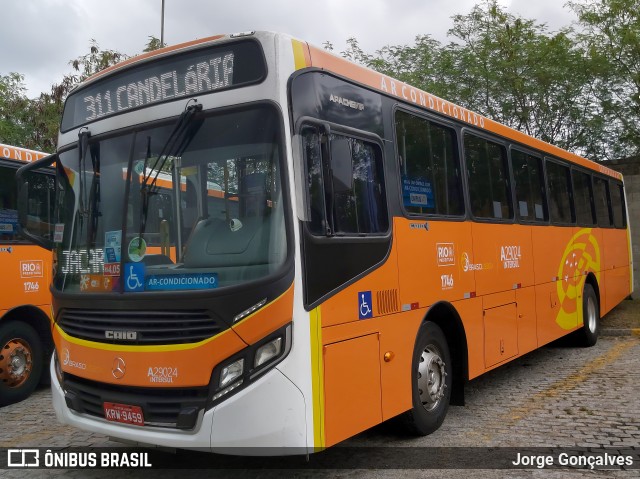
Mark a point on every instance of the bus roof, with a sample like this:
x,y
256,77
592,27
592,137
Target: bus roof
x,y
20,154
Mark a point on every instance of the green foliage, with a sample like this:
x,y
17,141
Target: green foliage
x,y
611,40
578,91
153,44
13,109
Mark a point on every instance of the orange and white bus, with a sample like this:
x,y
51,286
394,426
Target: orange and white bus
x,y
25,301
370,248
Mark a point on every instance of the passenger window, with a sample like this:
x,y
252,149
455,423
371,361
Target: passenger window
x,y
529,179
583,198
488,178
618,206
601,195
559,181
430,167
346,185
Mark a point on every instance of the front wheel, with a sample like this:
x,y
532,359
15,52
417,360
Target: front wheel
x,y
20,361
431,381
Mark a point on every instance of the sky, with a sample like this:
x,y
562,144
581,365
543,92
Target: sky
x,y
38,38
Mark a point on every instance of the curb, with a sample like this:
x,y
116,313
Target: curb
x,y
620,332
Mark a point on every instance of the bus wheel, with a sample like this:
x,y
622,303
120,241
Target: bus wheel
x,y
20,361
431,381
588,335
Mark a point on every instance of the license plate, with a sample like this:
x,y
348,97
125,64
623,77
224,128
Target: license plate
x,y
123,413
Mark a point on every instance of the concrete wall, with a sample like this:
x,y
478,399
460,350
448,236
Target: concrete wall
x,y
630,169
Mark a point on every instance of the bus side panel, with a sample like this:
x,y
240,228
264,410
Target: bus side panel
x,y
393,349
380,287
353,401
556,301
616,268
502,256
430,261
29,267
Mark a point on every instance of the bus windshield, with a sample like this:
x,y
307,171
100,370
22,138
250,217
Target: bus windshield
x,y
144,216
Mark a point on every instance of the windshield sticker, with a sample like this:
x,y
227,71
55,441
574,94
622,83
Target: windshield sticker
x,y
112,269
8,221
58,233
182,281
417,192
365,305
137,249
112,246
96,283
134,277
138,168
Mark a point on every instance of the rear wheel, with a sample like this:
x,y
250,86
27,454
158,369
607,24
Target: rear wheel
x,y
20,361
588,334
431,381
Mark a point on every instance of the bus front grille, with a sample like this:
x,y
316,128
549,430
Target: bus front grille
x,y
161,407
139,327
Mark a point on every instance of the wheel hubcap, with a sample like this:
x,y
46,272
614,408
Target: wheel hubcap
x,y
16,362
591,315
431,378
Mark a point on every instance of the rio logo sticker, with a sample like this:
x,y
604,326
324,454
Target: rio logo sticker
x,y
32,269
581,255
446,254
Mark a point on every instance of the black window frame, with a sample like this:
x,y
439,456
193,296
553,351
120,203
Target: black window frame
x,y
618,185
547,161
505,145
543,186
336,129
457,152
592,203
10,164
605,181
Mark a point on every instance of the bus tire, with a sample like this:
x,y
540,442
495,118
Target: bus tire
x,y
588,334
431,380
21,361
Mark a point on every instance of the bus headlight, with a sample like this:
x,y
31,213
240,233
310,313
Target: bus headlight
x,y
242,368
268,351
231,372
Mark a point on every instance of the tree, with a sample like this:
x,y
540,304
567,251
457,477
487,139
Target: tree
x,y
507,68
13,107
46,111
611,38
153,44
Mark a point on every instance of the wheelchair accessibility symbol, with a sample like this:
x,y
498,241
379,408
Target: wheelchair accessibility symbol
x,y
365,305
134,277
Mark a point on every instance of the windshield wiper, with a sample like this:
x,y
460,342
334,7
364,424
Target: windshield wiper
x,y
183,131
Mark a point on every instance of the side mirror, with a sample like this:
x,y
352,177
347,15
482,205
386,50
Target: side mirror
x,y
23,202
341,165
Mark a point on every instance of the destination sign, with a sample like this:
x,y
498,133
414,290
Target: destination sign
x,y
181,75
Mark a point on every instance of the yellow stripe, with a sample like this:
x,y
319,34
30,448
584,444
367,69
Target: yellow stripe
x,y
298,54
317,375
133,348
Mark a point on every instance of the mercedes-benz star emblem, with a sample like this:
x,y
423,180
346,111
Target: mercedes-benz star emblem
x,y
119,368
